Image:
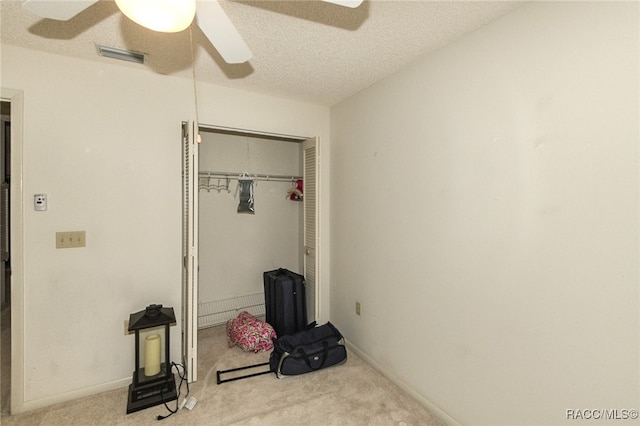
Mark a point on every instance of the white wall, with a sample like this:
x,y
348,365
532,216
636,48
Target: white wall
x,y
252,243
103,141
485,214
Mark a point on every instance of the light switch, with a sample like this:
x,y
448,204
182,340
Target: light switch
x,y
71,239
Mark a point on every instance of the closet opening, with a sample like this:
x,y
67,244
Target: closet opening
x,y
255,209
243,233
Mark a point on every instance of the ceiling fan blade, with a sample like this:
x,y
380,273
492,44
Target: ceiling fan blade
x,y
224,36
55,9
347,3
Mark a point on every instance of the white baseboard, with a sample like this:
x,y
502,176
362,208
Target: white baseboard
x,y
433,409
69,396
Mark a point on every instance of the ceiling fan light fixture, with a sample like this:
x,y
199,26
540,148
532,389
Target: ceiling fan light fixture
x,y
167,16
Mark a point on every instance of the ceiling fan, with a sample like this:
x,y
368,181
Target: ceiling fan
x,y
209,16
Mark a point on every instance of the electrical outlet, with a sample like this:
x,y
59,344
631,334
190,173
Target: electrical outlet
x,y
71,239
357,308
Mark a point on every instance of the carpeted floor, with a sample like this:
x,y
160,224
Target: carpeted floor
x,y
349,394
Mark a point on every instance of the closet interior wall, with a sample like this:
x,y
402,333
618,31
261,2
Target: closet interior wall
x,y
236,248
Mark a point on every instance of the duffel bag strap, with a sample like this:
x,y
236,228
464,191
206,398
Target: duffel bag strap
x,y
325,354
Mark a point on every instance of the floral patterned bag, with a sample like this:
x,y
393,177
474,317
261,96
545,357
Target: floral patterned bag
x,y
250,333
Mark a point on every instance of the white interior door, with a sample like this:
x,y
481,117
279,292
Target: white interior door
x,y
310,240
190,251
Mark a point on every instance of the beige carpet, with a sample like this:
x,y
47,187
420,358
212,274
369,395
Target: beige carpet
x,y
349,394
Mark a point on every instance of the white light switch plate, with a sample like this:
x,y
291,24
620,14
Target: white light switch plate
x,y
71,239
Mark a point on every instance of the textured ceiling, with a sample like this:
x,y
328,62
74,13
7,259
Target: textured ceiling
x,y
306,50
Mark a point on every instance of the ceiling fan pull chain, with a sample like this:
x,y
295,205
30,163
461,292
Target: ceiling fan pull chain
x,y
195,92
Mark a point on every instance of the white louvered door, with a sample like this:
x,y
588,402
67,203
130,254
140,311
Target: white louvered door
x,y
311,240
190,251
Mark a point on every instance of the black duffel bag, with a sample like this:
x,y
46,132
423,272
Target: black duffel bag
x,y
308,350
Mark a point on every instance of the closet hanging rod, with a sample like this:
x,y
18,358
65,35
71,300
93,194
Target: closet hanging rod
x,y
254,176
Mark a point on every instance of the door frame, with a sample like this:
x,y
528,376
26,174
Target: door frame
x,y
190,235
16,98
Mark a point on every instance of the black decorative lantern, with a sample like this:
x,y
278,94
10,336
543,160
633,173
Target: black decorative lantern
x,y
153,380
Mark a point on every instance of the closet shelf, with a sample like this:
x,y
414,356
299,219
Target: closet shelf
x,y
237,176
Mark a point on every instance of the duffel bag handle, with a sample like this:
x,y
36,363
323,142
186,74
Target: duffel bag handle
x,y
325,354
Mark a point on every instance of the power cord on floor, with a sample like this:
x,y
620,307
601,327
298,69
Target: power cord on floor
x,y
183,379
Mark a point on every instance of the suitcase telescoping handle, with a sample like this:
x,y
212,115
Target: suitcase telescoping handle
x,y
219,373
325,355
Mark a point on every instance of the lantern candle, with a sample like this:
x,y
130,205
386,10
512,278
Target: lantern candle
x,y
152,355
153,381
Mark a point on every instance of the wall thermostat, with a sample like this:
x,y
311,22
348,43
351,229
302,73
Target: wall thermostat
x,y
40,202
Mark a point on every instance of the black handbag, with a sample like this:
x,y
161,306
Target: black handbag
x,y
308,350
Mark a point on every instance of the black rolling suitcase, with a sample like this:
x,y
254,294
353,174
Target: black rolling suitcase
x,y
285,302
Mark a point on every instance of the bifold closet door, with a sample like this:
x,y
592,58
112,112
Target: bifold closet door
x,y
190,250
310,239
